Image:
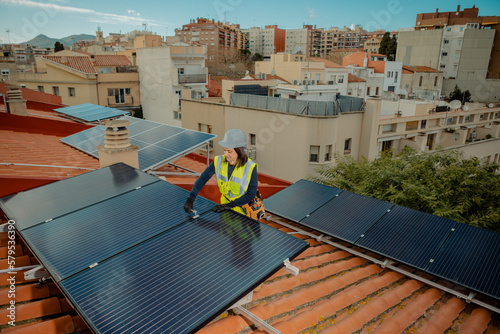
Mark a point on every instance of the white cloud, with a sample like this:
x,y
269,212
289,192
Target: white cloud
x,y
312,13
133,12
53,8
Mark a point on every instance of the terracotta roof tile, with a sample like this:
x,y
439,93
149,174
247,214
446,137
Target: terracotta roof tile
x,y
111,60
419,69
353,78
328,63
79,63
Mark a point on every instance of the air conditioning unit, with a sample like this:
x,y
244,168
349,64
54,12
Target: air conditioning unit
x,y
295,82
331,82
304,82
313,82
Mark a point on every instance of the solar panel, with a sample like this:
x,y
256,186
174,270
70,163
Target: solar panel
x,y
139,214
470,257
158,143
136,262
347,216
89,112
178,281
300,199
59,198
408,236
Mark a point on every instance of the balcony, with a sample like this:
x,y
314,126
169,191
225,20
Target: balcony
x,y
192,78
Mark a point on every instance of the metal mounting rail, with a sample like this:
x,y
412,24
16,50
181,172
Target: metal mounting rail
x,y
37,165
386,263
256,320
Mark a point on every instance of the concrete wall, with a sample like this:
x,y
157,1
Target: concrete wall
x,y
282,140
157,76
421,47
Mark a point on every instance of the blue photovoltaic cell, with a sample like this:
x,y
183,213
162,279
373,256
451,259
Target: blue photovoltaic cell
x,y
89,112
408,236
71,243
158,143
470,257
178,281
300,199
347,216
59,198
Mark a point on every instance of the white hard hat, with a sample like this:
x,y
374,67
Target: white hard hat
x,y
234,138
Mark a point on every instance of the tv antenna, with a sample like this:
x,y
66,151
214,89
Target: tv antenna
x,y
8,34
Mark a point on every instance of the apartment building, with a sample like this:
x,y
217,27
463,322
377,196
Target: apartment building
x,y
215,35
372,44
167,74
107,80
461,44
303,41
420,82
335,38
280,139
269,40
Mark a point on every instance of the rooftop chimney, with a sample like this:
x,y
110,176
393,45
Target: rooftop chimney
x,y
17,105
117,147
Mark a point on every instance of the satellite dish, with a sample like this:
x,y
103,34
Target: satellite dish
x,y
465,108
273,72
455,104
307,75
490,105
456,135
296,50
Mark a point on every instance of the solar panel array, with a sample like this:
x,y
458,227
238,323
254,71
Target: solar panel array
x,y
89,112
158,143
458,252
130,259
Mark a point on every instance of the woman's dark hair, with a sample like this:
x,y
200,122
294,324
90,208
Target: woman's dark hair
x,y
242,156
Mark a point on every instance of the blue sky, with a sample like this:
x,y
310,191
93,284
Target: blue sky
x,y
26,19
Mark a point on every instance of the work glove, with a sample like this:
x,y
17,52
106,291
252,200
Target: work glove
x,y
223,207
188,206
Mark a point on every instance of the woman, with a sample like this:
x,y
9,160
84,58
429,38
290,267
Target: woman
x,y
236,175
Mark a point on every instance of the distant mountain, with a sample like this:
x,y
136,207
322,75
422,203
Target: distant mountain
x,y
48,42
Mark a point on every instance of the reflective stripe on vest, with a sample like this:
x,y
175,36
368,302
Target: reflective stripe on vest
x,y
241,177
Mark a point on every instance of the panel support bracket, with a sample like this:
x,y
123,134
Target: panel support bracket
x,y
386,263
470,297
36,273
291,269
256,320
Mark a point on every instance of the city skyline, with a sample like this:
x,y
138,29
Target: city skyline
x,y
22,20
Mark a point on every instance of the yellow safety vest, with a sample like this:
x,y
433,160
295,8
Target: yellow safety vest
x,y
237,185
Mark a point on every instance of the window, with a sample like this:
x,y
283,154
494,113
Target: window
x,y
347,146
413,125
435,81
388,74
41,89
328,154
457,55
430,141
395,76
55,90
423,124
386,145
106,70
177,114
314,153
180,70
253,139
341,78
376,91
444,54
119,94
71,91
446,41
467,118
449,120
207,129
368,91
420,81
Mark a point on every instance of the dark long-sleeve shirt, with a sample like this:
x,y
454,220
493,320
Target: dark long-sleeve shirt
x,y
210,171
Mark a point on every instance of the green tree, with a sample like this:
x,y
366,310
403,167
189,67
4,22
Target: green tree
x,y
457,94
388,46
58,46
258,57
444,183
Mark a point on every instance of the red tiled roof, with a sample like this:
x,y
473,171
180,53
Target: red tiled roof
x,y
419,69
357,58
270,76
80,63
328,63
111,60
33,95
378,66
353,78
